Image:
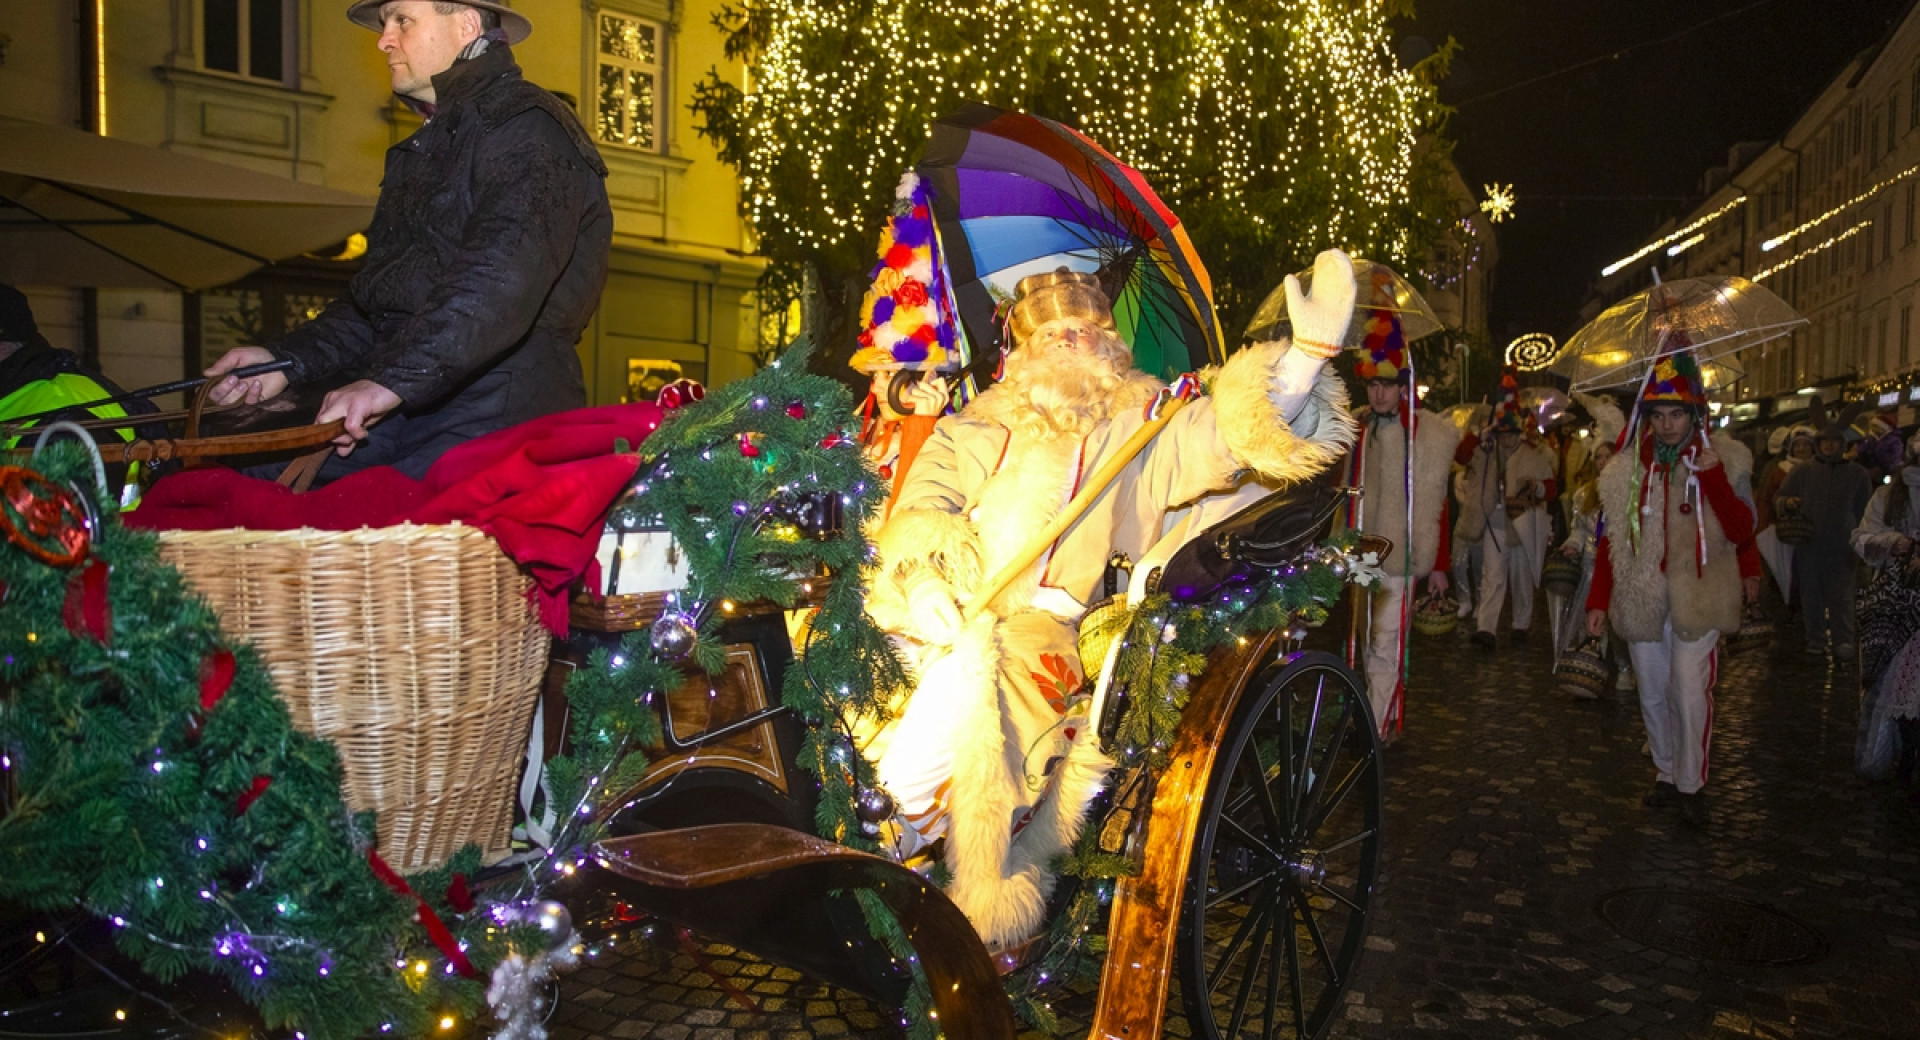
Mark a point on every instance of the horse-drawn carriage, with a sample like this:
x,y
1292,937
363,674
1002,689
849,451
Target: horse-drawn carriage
x,y
1240,855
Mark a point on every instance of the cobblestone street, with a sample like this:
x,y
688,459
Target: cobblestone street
x,y
1513,815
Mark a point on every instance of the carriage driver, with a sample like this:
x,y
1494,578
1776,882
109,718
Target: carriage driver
x,y
485,259
993,752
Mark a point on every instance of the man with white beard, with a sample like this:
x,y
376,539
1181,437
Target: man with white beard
x,y
993,751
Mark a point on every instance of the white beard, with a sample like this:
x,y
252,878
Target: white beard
x,y
1060,393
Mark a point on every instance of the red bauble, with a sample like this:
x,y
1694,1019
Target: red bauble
x,y
42,518
797,410
748,449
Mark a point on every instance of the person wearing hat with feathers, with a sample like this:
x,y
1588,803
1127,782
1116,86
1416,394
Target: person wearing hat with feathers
x,y
1831,491
1672,568
992,752
1506,487
485,259
1402,449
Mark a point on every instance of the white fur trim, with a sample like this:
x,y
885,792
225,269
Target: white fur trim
x,y
1002,881
913,545
1252,428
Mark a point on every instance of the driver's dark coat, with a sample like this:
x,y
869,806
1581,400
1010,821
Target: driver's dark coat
x,y
485,261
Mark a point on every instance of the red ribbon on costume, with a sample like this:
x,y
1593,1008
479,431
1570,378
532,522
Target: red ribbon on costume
x,y
436,929
85,611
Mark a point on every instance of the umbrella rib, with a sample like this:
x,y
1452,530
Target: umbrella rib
x,y
150,218
109,250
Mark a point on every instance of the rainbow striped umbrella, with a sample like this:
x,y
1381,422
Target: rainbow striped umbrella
x,y
1015,194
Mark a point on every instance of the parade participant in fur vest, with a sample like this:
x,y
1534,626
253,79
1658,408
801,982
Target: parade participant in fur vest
x,y
993,750
1670,571
1507,485
1386,471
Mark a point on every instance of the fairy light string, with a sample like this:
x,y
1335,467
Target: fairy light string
x,y
1296,115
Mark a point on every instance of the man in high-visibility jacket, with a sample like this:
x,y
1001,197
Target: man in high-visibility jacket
x,y
36,377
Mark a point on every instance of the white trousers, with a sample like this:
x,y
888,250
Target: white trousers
x,y
1382,655
1676,680
1505,566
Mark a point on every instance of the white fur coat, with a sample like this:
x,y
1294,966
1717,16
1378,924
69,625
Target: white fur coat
x,y
1656,573
1383,482
975,494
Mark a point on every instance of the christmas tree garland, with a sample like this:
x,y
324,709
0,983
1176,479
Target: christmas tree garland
x,y
155,780
1164,645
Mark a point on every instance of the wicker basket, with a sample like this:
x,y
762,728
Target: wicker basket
x,y
414,649
1793,528
1560,575
1436,616
1583,673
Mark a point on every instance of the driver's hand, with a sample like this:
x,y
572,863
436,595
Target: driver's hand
x,y
251,390
361,404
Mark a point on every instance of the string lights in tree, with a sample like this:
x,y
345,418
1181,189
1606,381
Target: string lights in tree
x,y
1274,131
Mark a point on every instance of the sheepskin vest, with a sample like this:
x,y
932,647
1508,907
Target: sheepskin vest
x,y
1383,480
1657,574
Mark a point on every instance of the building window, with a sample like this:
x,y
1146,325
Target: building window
x,y
628,102
1907,239
1906,336
250,38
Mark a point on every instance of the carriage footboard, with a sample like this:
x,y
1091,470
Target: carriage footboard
x,y
748,885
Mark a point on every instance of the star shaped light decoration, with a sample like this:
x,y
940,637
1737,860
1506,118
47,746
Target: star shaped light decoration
x,y
1498,204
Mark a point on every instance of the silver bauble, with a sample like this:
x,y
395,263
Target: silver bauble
x,y
874,805
673,636
553,919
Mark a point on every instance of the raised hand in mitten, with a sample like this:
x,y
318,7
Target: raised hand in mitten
x,y
1319,329
1320,318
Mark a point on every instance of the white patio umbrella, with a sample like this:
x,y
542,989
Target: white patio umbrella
x,y
80,210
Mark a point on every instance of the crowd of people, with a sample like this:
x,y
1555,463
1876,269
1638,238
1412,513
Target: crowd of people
x,y
1670,537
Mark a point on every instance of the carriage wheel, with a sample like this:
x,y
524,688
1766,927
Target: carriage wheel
x,y
1279,888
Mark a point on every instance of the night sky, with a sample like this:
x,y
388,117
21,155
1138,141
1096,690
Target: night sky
x,y
1599,155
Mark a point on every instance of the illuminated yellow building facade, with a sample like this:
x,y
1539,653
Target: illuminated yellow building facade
x,y
1825,216
291,88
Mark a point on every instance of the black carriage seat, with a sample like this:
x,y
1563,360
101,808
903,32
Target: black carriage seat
x,y
1262,536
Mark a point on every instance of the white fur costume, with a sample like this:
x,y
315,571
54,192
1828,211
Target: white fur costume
x,y
990,723
1383,481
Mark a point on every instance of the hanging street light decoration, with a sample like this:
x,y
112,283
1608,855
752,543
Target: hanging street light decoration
x,y
1498,205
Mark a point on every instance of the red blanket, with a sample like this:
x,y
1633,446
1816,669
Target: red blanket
x,y
541,489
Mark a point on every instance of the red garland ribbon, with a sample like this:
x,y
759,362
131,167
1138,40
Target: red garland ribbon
x,y
85,611
251,794
216,677
436,929
459,896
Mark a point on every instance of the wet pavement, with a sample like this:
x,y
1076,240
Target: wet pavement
x,y
1513,815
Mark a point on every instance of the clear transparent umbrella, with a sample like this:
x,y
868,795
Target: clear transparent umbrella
x,y
1714,317
1380,288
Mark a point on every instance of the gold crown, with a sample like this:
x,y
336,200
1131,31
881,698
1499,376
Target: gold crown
x,y
1060,293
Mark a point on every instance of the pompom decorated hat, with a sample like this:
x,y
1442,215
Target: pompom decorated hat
x,y
906,317
1675,379
1060,293
1508,415
1384,352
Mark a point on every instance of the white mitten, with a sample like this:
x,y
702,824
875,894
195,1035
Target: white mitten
x,y
1320,320
935,614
